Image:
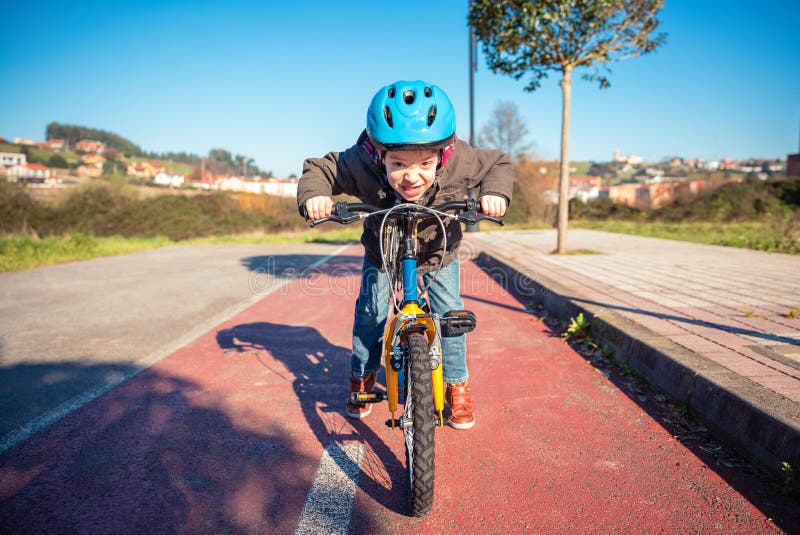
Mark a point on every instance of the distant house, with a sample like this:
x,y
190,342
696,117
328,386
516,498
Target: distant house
x,y
93,159
281,188
165,179
676,162
55,144
258,185
623,194
31,173
23,141
630,159
89,170
584,188
9,159
146,169
88,145
207,182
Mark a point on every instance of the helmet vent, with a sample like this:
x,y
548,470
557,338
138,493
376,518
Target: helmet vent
x,y
387,114
408,96
431,115
428,92
391,92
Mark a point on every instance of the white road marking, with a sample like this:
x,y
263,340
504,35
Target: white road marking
x,y
47,419
330,500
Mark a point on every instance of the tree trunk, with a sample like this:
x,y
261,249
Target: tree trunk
x,y
563,177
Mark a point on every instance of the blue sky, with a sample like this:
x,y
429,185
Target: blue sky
x,y
281,81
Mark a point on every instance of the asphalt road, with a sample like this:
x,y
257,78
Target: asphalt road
x,y
70,331
242,430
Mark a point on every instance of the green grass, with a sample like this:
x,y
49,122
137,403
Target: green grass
x,y
25,252
581,168
777,235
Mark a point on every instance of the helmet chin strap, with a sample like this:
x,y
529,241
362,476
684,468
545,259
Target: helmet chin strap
x,y
446,152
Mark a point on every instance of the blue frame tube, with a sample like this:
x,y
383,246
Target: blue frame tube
x,y
410,280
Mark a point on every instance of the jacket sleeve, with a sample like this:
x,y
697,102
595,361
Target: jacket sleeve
x,y
329,175
495,173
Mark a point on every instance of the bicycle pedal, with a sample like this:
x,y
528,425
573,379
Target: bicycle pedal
x,y
457,322
376,396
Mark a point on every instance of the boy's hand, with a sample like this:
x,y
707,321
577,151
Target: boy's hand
x,y
319,207
493,205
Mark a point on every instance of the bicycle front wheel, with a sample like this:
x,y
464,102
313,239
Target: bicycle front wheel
x,y
420,434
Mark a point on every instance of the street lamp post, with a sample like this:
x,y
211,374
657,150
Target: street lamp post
x,y
473,66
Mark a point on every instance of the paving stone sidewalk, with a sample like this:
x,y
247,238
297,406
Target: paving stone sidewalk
x,y
724,314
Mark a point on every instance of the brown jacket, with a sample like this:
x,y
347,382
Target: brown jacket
x,y
358,172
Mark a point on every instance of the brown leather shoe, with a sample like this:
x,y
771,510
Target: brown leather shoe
x,y
460,399
360,410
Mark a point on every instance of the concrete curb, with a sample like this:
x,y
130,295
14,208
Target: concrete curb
x,y
761,424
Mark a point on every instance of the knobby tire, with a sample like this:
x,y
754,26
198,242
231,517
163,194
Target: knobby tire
x,y
420,449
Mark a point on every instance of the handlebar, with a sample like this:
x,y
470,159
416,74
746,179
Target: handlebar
x,y
346,213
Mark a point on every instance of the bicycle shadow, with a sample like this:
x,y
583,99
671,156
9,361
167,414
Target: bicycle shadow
x,y
155,454
319,372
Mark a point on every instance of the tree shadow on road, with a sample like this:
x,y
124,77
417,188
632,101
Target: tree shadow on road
x,y
759,489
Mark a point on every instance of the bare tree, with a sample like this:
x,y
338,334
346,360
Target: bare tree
x,y
534,37
506,130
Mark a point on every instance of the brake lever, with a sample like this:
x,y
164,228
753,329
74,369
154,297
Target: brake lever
x,y
344,216
470,217
497,220
314,222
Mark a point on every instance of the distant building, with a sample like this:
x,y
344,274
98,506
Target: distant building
x,y
623,194
166,179
146,169
257,185
55,144
93,159
630,159
793,165
9,159
23,141
31,173
584,188
90,171
87,145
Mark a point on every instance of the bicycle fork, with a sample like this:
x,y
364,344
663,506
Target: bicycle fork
x,y
413,319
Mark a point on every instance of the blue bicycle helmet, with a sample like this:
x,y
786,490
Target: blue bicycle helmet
x,y
411,116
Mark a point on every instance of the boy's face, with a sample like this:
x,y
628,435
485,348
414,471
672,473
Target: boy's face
x,y
411,172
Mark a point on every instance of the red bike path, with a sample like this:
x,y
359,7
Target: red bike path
x,y
227,434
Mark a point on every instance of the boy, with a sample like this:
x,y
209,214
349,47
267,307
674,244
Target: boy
x,y
409,153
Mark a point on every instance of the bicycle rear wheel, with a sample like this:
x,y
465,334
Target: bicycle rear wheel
x,y
419,436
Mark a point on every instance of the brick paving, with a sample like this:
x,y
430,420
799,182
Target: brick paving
x,y
730,306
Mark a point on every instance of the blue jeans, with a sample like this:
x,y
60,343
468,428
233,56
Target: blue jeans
x,y
372,310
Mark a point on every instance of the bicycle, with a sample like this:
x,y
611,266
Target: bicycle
x,y
412,340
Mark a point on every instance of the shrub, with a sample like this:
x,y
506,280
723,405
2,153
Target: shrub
x,y
106,211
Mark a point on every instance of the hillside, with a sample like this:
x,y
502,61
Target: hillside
x,y
107,211
751,200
